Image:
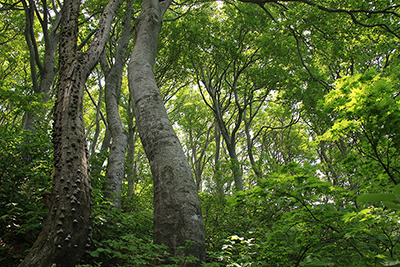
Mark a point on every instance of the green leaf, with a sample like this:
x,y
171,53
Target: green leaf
x,y
390,262
396,189
376,197
95,253
391,205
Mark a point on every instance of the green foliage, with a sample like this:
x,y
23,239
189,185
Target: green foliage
x,y
125,238
366,102
122,239
340,82
366,112
294,218
390,200
25,176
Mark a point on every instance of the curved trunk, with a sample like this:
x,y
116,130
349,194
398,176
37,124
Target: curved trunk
x,y
177,211
230,142
116,161
235,166
132,166
249,143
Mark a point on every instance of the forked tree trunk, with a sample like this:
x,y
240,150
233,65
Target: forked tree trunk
x,y
116,161
42,82
177,211
65,236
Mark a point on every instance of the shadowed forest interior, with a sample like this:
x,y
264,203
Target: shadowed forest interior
x,y
199,133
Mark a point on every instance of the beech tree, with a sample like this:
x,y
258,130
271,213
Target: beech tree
x,y
42,82
177,212
306,31
116,161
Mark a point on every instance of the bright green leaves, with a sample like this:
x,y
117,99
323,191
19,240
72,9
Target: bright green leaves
x,y
369,92
367,99
366,111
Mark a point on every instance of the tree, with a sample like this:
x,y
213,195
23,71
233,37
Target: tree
x,y
116,161
305,212
194,118
177,211
42,83
66,233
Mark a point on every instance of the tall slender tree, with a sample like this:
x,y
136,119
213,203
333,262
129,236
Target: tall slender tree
x,y
116,161
43,81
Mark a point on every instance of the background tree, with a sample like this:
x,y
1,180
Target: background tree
x,y
116,160
318,190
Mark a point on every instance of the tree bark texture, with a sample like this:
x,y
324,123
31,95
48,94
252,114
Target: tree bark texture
x,y
116,161
177,211
66,234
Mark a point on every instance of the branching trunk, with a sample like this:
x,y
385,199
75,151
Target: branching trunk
x,y
249,142
177,211
116,161
198,158
66,233
97,129
42,82
217,168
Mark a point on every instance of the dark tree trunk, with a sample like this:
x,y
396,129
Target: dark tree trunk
x,y
65,235
177,211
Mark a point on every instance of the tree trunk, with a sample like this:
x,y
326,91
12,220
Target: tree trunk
x,y
218,109
65,235
177,211
217,169
43,82
116,161
230,142
249,142
132,165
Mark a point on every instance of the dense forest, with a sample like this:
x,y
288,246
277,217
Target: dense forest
x,y
199,133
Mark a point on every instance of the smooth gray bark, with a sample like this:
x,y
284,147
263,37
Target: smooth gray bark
x,y
42,82
93,143
132,165
116,160
177,211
